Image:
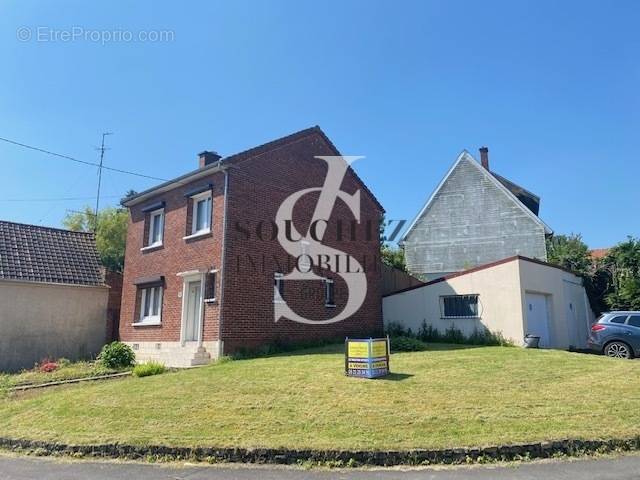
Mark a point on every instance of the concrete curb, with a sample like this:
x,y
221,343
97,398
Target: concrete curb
x,y
22,388
357,458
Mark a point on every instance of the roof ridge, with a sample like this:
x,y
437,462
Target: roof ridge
x,y
253,153
250,152
46,227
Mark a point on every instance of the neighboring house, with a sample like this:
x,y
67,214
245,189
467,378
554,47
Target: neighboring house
x,y
515,296
202,270
474,216
53,299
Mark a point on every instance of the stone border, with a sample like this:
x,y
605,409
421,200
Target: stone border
x,y
22,388
346,458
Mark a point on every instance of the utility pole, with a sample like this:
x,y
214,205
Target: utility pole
x,y
102,150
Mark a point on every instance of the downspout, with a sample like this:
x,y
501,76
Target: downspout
x,y
222,264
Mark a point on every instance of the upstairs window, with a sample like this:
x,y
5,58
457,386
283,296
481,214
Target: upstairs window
x,y
156,227
150,305
459,306
201,221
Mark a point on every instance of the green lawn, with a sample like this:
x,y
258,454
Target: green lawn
x,y
444,397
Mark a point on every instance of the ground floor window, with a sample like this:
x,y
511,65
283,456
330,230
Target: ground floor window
x,y
150,304
459,306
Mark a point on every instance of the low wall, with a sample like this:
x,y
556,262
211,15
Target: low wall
x,y
40,321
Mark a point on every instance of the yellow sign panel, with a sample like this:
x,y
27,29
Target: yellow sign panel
x,y
379,348
359,349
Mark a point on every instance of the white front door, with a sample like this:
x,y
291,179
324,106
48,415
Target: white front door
x,y
192,312
537,318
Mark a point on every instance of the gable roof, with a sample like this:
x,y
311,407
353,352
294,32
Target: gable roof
x,y
528,199
238,158
464,155
31,253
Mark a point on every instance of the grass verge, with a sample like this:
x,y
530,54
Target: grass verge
x,y
448,396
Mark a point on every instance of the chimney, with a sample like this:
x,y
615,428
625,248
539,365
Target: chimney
x,y
484,157
207,158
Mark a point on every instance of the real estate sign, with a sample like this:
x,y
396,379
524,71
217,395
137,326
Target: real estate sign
x,y
366,358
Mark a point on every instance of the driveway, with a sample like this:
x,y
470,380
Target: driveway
x,y
23,468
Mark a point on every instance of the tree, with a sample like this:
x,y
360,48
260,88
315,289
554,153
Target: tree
x,y
570,252
392,256
623,265
111,234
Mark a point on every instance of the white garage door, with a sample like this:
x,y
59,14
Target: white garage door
x,y
537,317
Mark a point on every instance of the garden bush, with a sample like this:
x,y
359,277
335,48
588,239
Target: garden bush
x,y
149,368
405,343
428,333
117,355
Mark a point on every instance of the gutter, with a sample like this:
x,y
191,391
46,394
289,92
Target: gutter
x,y
171,184
222,261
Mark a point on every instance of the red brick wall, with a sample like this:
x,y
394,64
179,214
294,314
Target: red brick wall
x,y
114,280
175,256
256,189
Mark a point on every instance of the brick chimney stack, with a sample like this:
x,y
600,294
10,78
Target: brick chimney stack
x,y
484,157
207,158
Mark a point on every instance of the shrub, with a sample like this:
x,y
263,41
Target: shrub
x,y
63,362
149,368
429,334
116,355
407,344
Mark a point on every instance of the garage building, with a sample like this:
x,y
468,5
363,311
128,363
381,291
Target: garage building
x,y
515,296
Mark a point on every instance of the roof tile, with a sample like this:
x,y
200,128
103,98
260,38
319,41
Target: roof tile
x,y
48,255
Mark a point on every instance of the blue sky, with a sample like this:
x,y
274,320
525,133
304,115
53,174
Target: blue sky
x,y
550,87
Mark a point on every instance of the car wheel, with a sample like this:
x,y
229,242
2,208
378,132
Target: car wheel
x,y
618,350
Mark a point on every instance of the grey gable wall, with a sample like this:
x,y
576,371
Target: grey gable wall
x,y
470,221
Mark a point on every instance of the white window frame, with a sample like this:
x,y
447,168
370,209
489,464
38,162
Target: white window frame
x,y
194,213
327,282
454,317
152,216
145,293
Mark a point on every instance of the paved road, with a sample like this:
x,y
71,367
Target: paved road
x,y
27,468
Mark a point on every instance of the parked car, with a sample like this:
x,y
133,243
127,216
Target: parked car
x,y
616,334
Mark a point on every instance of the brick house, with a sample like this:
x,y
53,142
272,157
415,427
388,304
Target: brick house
x,y
203,267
